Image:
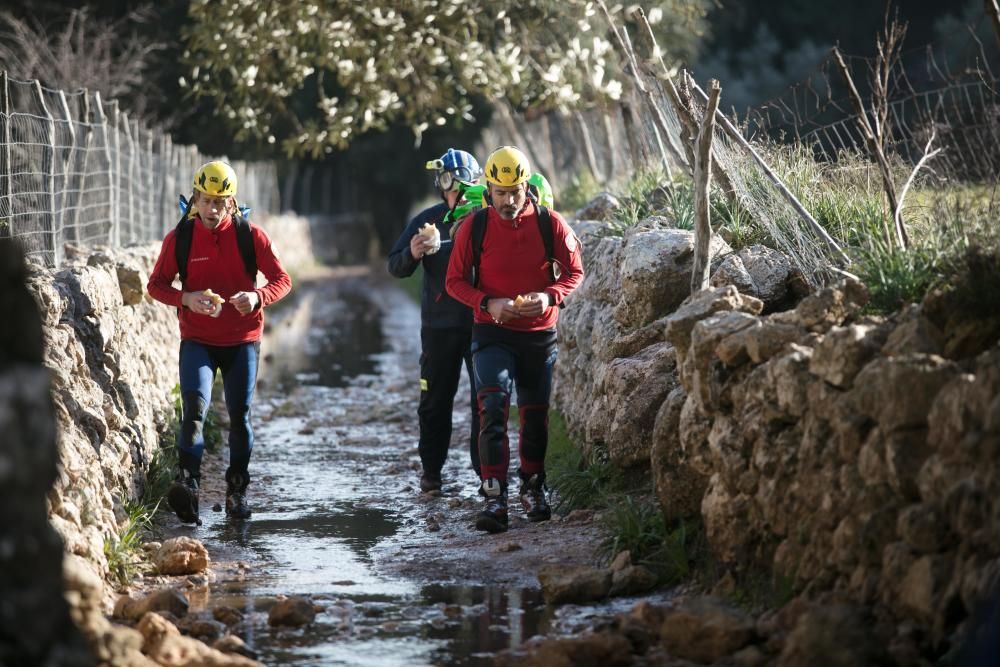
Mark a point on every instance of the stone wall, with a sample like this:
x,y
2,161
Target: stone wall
x,y
847,453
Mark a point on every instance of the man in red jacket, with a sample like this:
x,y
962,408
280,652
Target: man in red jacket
x,y
216,253
513,266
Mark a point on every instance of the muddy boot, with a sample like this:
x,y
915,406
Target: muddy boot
x,y
533,500
183,497
493,518
236,495
430,482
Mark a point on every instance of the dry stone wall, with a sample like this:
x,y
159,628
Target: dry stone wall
x,y
848,453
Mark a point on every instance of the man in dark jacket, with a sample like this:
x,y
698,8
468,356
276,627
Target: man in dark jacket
x,y
446,325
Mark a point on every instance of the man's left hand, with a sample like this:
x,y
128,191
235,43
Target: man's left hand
x,y
245,302
534,304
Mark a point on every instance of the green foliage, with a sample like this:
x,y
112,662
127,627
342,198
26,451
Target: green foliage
x,y
580,190
159,476
316,75
122,551
637,525
577,483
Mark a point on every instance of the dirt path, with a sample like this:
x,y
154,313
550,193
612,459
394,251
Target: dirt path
x,y
338,515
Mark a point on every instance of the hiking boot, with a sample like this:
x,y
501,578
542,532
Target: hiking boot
x,y
183,497
493,518
533,500
236,495
430,482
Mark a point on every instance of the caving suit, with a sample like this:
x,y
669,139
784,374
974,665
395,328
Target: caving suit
x,y
229,343
445,339
521,352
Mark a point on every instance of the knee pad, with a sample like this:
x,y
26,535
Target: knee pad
x,y
493,403
193,408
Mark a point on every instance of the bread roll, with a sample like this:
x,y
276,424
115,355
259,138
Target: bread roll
x,y
519,301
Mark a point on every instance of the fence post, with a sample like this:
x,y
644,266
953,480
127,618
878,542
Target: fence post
x,y
49,171
702,185
116,175
127,173
88,139
6,213
68,164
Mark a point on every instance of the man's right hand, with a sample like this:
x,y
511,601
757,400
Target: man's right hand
x,y
197,302
501,310
419,245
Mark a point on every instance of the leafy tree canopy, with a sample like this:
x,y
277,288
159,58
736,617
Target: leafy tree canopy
x,y
315,75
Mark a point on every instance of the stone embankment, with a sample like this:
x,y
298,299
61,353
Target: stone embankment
x,y
854,456
99,387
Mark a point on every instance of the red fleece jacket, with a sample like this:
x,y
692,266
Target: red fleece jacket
x,y
513,262
215,263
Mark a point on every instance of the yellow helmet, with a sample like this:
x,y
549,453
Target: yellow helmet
x,y
216,179
507,166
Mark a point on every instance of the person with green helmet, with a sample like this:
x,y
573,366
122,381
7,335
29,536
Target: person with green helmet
x,y
216,253
540,190
504,266
446,325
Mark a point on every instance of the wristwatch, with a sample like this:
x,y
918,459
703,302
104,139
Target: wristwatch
x,y
484,305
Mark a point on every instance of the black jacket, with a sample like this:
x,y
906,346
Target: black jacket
x,y
437,309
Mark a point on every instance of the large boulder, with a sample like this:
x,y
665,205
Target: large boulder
x,y
600,208
656,272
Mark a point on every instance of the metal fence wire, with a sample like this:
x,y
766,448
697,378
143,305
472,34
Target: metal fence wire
x,y
76,169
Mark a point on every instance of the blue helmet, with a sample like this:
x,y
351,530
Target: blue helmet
x,y
453,166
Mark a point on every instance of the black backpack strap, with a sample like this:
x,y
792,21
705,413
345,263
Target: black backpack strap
x,y
545,229
478,234
244,240
183,233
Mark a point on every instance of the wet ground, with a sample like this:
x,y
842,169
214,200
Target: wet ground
x,y
400,577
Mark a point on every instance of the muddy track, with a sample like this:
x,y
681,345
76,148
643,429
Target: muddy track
x,y
400,576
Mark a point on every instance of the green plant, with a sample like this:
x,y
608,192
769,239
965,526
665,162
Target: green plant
x,y
637,525
122,551
576,482
580,190
159,475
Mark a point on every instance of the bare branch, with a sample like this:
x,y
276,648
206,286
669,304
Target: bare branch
x,y
928,155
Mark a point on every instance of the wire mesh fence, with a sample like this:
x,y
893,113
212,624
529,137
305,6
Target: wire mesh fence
x,y
76,169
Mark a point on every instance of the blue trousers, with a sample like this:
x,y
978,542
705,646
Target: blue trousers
x,y
238,366
501,368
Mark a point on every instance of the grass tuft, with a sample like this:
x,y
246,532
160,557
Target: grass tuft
x,y
123,551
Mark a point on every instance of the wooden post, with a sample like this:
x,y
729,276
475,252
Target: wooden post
x,y
65,205
128,176
7,189
993,9
116,174
52,233
875,146
702,189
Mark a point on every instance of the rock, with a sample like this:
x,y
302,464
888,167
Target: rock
x,y
622,560
921,590
204,630
132,283
844,351
227,615
832,636
831,306
606,649
915,334
875,392
631,580
163,643
705,630
293,611
702,305
233,644
679,487
732,272
575,584
656,273
923,529
165,599
600,208
181,555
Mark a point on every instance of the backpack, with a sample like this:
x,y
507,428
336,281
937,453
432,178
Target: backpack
x,y
244,241
544,228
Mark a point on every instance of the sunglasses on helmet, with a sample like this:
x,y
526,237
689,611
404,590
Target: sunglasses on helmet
x,y
448,180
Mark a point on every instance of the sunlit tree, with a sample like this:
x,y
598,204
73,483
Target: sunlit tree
x,y
315,75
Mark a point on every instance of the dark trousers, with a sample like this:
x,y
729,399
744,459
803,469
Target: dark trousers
x,y
238,365
444,351
500,368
